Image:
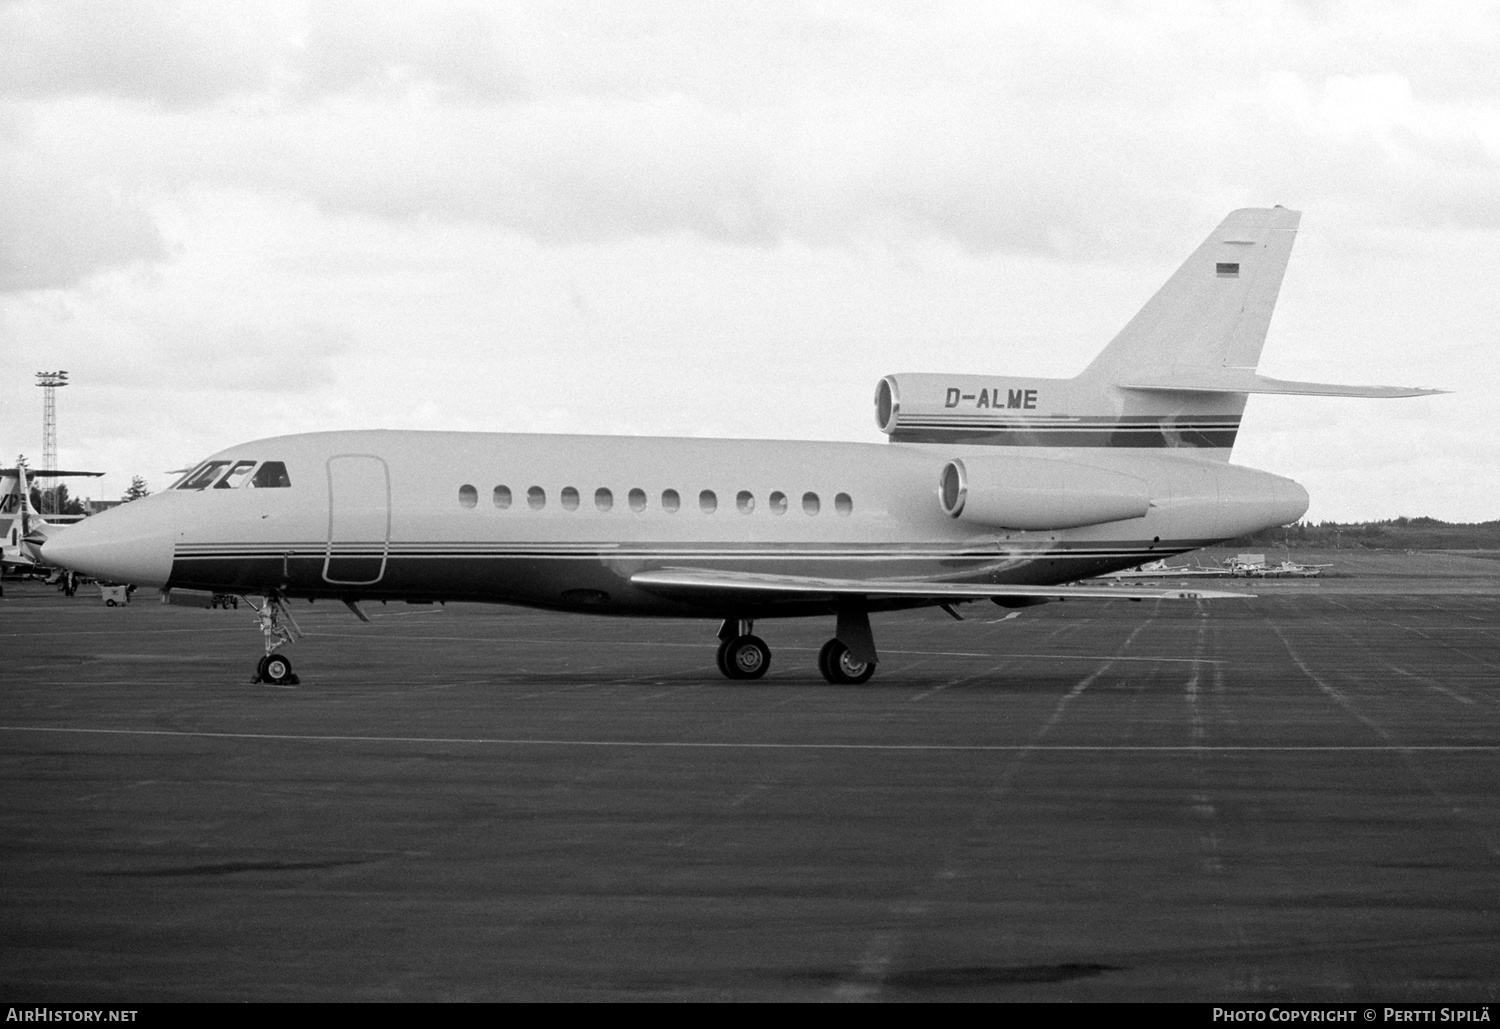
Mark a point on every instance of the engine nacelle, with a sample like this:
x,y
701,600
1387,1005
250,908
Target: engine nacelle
x,y
1037,494
926,408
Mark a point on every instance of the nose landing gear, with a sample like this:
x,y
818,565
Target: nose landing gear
x,y
274,668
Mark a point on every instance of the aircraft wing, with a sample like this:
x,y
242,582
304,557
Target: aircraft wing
x,y
46,473
697,583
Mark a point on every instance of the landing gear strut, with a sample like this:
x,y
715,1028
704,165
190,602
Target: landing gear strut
x,y
741,655
275,668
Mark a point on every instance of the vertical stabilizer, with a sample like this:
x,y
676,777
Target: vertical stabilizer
x,y
10,510
1214,312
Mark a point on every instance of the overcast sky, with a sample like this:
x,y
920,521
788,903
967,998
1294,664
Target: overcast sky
x,y
229,221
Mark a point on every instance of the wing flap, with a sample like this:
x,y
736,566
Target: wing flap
x,y
698,582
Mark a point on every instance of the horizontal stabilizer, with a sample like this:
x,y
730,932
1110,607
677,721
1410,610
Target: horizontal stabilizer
x,y
1244,380
698,583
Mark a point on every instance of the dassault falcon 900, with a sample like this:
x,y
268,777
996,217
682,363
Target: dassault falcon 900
x,y
989,488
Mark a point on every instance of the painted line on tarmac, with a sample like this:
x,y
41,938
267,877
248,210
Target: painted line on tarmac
x,y
133,630
1112,748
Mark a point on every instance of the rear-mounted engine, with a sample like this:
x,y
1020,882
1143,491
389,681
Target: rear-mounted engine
x,y
1037,494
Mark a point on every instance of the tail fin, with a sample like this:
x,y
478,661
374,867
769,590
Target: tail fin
x,y
1177,375
11,507
1214,312
18,519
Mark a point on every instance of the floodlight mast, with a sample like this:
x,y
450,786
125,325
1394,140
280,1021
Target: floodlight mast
x,y
49,382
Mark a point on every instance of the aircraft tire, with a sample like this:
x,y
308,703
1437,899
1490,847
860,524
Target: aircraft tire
x,y
840,668
721,661
746,657
276,669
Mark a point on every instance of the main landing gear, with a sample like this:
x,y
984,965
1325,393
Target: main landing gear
x,y
848,659
741,655
279,628
840,667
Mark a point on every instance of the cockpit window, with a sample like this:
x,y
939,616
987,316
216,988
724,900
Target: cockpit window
x,y
271,475
205,474
235,476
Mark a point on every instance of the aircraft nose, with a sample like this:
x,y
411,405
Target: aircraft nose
x,y
131,544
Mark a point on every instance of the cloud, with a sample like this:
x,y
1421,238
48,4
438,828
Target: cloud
x,y
58,226
457,52
121,345
173,53
1078,133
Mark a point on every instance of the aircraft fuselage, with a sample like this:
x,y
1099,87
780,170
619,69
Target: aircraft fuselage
x,y
563,522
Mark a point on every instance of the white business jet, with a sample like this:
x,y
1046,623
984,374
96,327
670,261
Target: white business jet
x,y
989,488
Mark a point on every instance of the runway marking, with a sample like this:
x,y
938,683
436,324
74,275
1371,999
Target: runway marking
x,y
1064,657
879,953
500,640
1432,685
996,748
1425,635
133,630
1475,825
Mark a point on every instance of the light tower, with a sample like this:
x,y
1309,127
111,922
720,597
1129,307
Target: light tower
x,y
49,381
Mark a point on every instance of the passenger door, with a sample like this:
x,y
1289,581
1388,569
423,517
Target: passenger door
x,y
359,519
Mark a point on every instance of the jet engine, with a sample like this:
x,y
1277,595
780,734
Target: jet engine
x,y
1038,494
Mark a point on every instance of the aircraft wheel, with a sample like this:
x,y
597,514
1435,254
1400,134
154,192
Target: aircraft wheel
x,y
839,666
276,670
721,662
745,657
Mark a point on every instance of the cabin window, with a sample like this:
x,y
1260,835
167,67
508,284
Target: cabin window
x,y
637,500
235,476
468,496
670,501
707,502
777,502
569,498
843,504
204,475
745,501
603,499
536,498
501,497
810,503
271,475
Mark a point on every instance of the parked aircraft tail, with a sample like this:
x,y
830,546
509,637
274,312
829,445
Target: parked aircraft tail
x,y
22,529
1176,376
16,516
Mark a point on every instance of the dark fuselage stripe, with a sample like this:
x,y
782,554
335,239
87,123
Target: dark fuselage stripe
x,y
1161,438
